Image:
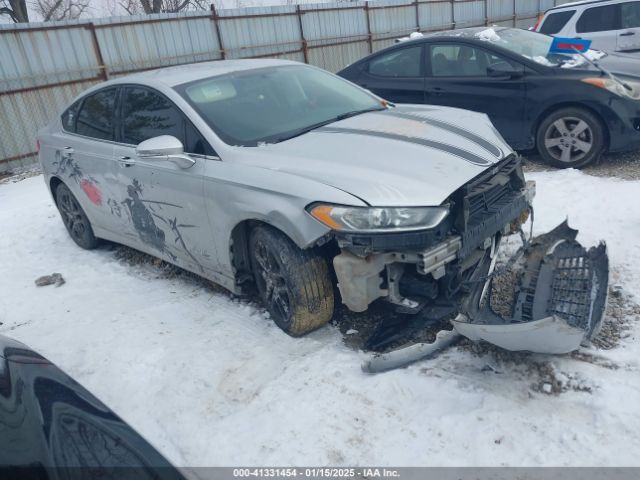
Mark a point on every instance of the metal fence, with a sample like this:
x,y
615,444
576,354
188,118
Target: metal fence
x,y
44,65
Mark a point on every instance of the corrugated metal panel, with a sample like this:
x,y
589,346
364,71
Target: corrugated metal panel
x,y
500,11
468,14
435,16
31,56
260,36
397,18
127,46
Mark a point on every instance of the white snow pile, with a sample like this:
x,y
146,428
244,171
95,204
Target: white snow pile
x,y
488,34
209,380
578,60
412,36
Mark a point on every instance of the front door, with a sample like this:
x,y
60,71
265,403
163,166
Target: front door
x,y
464,76
160,204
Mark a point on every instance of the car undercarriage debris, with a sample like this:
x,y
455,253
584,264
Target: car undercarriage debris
x,y
559,302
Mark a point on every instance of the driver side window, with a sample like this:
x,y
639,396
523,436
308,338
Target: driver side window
x,y
403,62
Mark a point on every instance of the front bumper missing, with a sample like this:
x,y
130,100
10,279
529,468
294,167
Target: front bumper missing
x,y
560,300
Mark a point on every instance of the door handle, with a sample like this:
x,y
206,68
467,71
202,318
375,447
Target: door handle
x,y
126,161
627,34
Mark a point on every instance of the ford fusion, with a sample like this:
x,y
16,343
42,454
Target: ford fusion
x,y
280,178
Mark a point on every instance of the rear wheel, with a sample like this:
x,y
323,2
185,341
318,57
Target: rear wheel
x,y
293,284
74,218
570,138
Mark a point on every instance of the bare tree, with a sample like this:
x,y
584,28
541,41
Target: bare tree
x,y
15,9
134,7
59,9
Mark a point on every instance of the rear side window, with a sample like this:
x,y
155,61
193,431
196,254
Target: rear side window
x,y
404,62
599,19
96,116
70,116
555,22
146,114
630,14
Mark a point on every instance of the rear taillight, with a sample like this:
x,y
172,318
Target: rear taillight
x,y
535,27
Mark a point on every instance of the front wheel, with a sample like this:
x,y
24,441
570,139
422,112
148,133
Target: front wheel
x,y
293,284
74,218
570,138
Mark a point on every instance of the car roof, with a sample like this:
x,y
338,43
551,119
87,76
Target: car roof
x,y
455,34
179,74
579,3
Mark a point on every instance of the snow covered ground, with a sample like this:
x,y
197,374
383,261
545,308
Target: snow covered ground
x,y
210,381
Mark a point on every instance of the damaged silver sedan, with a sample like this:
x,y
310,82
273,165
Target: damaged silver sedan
x,y
279,178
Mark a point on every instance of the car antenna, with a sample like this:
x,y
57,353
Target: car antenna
x,y
603,70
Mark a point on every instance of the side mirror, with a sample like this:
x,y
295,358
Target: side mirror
x,y
164,147
504,70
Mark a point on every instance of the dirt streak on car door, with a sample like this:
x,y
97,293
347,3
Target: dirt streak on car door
x,y
162,208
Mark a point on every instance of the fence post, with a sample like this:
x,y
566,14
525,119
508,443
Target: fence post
x,y
96,48
486,13
453,14
514,14
369,39
417,7
214,17
305,46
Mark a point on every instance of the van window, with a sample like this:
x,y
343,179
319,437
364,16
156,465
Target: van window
x,y
555,22
630,14
599,19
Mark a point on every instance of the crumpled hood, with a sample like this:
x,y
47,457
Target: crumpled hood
x,y
410,155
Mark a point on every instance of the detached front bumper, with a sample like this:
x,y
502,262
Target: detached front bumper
x,y
560,298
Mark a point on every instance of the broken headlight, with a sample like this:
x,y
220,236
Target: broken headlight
x,y
378,219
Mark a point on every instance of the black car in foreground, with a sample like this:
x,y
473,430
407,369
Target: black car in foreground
x,y
571,108
53,428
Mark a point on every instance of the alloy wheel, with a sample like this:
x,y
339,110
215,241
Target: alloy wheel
x,y
72,216
569,139
273,284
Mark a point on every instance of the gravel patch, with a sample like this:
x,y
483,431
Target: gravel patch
x,y
21,174
620,165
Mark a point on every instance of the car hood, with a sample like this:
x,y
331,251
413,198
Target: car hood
x,y
616,63
409,155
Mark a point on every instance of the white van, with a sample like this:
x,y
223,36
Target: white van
x,y
613,25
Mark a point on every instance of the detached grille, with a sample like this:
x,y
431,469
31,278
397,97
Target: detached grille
x,y
488,203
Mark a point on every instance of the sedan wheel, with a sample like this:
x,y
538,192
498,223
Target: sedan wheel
x,y
293,284
570,138
74,218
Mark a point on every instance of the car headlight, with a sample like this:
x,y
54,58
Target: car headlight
x,y
632,92
378,219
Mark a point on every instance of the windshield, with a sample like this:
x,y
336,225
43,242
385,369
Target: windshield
x,y
269,105
534,46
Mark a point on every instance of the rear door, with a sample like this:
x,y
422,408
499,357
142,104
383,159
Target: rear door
x,y
396,75
462,75
602,25
629,35
84,153
160,205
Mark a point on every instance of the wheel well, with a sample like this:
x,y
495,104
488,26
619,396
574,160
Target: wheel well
x,y
239,246
54,183
559,106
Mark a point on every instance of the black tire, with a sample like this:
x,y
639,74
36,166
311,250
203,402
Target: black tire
x,y
74,218
559,146
304,298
